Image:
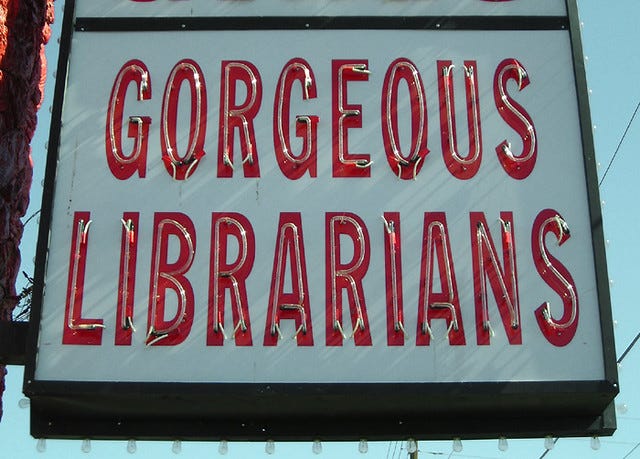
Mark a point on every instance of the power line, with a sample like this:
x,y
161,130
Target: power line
x,y
546,451
31,217
629,347
629,453
615,153
395,446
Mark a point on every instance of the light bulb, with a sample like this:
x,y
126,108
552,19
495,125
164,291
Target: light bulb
x,y
176,448
316,447
503,444
595,443
86,446
622,408
24,403
412,446
223,447
363,446
131,446
41,446
549,443
457,445
270,447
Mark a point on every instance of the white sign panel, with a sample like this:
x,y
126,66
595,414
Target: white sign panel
x,y
358,8
320,206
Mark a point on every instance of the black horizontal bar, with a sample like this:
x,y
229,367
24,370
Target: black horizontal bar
x,y
281,411
158,24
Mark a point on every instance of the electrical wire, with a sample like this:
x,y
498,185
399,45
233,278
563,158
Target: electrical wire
x,y
615,153
546,451
629,453
395,446
629,347
31,217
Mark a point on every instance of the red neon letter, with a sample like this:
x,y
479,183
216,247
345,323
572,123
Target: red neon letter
x,y
349,275
461,168
165,275
519,167
295,304
127,278
446,303
78,330
122,167
240,116
503,281
393,279
182,167
347,116
558,332
292,166
231,276
406,167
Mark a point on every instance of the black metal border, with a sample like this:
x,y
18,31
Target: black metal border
x,y
46,208
338,412
153,24
198,411
593,193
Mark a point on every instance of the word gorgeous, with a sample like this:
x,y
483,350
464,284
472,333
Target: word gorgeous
x,y
344,233
239,77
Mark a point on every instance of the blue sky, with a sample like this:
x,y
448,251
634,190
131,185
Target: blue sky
x,y
610,38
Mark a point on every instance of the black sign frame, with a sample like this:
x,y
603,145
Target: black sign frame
x,y
197,411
